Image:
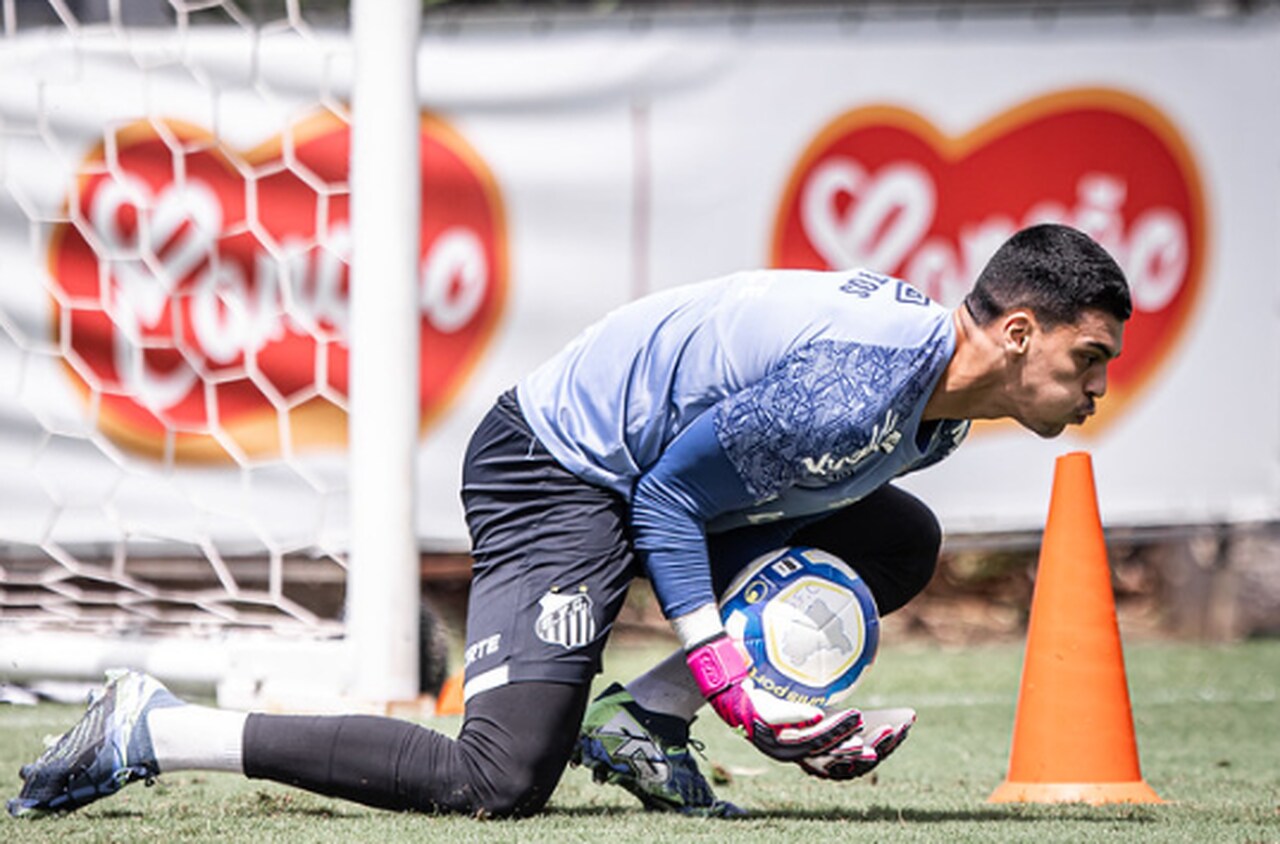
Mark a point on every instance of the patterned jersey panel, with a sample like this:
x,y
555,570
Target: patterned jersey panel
x,y
831,405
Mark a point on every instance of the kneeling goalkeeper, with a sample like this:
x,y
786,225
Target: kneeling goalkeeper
x,y
680,437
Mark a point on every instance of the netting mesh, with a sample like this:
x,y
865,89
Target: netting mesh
x,y
174,251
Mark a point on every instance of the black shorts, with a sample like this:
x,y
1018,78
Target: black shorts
x,y
552,560
553,556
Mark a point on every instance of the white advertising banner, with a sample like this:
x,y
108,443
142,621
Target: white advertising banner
x,y
174,245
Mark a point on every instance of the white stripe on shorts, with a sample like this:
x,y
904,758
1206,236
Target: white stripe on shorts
x,y
491,679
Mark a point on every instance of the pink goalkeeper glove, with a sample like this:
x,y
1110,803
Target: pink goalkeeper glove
x,y
782,729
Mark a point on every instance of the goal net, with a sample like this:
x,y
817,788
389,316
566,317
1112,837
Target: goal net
x,y
176,322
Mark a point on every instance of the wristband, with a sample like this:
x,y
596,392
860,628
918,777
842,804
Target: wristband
x,y
697,627
716,665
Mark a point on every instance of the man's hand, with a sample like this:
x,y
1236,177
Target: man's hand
x,y
881,733
781,729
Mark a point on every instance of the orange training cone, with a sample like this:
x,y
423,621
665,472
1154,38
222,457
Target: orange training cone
x,y
1073,738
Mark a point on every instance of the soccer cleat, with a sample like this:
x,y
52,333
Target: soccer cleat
x,y
647,753
109,748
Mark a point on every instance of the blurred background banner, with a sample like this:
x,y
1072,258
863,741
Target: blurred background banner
x,y
174,247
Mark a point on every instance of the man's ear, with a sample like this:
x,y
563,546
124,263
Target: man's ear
x,y
1016,328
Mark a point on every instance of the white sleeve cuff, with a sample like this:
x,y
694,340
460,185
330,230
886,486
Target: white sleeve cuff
x,y
698,626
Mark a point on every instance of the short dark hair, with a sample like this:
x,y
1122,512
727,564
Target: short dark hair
x,y
1055,271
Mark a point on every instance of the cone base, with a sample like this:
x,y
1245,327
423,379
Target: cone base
x,y
1094,793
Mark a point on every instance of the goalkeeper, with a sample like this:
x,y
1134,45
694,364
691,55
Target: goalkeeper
x,y
680,437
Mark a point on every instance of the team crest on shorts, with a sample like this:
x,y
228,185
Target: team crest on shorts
x,y
566,619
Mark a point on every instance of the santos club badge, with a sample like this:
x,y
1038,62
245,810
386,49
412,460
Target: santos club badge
x,y
883,188
566,619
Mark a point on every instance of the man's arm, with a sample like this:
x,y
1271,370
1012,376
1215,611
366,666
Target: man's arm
x,y
692,482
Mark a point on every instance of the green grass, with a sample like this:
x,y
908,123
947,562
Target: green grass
x,y
1207,720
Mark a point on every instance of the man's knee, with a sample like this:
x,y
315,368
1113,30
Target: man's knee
x,y
891,538
516,794
913,557
516,743
925,535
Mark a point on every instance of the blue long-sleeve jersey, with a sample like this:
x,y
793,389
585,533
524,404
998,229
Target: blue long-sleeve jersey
x,y
766,395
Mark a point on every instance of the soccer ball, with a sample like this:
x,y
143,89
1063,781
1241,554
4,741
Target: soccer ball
x,y
807,622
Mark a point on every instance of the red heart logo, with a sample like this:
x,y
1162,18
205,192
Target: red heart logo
x,y
201,294
881,187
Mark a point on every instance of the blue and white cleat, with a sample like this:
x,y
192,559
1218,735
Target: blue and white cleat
x,y
646,753
109,748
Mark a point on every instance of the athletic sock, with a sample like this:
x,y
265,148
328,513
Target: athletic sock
x,y
668,688
197,738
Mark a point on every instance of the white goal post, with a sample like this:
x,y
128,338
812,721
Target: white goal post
x,y
197,481
383,591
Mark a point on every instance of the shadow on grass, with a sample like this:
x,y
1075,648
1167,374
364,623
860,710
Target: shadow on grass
x,y
896,814
299,804
977,815
872,814
111,815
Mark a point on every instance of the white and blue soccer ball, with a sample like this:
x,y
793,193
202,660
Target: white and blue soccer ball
x,y
807,622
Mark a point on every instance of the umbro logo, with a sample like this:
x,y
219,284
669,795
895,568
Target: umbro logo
x,y
908,295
